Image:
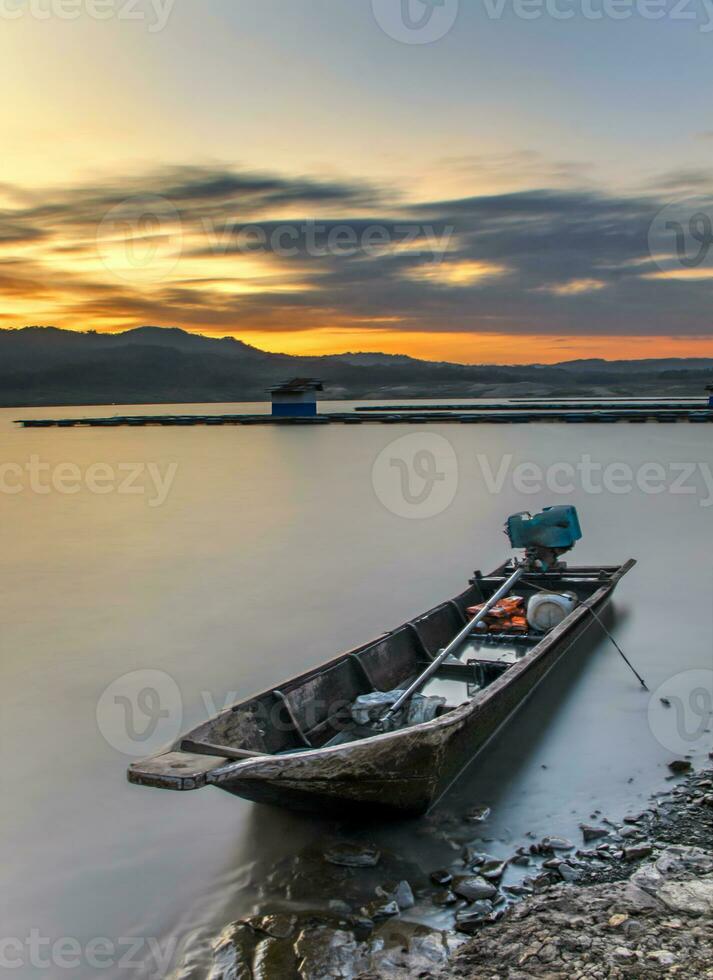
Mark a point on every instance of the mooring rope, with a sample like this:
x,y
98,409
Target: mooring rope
x,y
586,605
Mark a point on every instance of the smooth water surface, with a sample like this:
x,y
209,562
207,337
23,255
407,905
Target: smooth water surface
x,y
270,550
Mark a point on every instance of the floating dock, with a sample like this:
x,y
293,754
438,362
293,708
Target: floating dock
x,y
532,404
608,413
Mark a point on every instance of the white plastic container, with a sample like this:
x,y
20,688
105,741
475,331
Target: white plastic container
x,y
545,610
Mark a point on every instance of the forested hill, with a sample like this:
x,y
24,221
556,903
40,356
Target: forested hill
x,y
48,366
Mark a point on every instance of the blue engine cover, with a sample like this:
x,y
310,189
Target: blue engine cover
x,y
553,527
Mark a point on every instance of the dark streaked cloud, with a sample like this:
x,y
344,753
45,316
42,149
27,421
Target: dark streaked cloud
x,y
562,262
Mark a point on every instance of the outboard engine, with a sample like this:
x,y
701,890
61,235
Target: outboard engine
x,y
544,536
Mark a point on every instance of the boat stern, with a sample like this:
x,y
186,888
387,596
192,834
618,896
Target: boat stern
x,y
174,770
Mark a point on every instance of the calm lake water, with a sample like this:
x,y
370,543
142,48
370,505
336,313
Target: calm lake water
x,y
246,554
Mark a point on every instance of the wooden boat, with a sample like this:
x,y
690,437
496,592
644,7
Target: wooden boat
x,y
289,745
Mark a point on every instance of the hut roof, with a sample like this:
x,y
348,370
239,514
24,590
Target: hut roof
x,y
298,385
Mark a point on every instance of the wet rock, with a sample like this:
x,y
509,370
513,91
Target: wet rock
x,y
441,877
556,844
324,952
349,855
471,919
444,897
626,833
635,853
590,833
568,873
473,858
479,814
544,880
518,890
233,953
473,888
403,895
399,892
521,860
492,870
278,926
426,952
680,766
362,925
404,951
380,909
274,958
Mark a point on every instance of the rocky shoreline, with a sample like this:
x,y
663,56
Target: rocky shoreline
x,y
648,913
634,900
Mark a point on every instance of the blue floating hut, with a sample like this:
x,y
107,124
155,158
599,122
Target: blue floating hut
x,y
295,398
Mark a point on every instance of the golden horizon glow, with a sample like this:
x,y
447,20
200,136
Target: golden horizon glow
x,y
456,348
483,348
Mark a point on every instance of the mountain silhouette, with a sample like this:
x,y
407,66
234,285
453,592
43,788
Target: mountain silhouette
x,y
50,366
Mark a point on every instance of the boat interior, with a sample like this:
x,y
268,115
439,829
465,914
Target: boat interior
x,y
314,710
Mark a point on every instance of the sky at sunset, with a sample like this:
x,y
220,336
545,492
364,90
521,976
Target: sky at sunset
x,y
316,176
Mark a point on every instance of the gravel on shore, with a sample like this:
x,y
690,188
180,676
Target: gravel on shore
x,y
657,923
636,900
648,918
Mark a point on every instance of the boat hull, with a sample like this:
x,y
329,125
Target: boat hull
x,y
405,771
